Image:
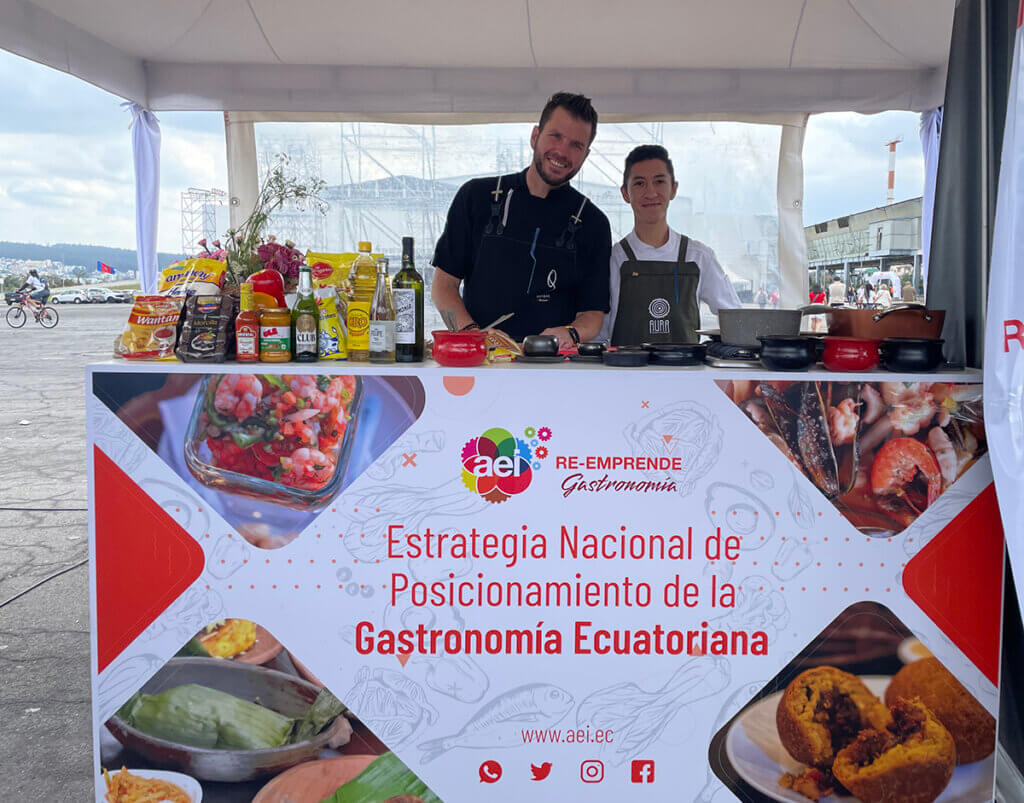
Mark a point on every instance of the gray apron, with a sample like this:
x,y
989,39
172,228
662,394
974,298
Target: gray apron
x,y
657,300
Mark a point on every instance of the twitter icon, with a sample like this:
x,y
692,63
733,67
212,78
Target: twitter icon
x,y
541,772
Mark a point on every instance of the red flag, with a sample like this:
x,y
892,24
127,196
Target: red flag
x,y
103,267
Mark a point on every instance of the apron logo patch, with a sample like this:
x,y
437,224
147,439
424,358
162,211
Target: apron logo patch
x,y
659,308
552,278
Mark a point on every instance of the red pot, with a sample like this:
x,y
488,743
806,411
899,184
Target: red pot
x,y
460,349
850,354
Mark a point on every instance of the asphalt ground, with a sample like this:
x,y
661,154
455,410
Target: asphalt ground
x,y
45,738
45,712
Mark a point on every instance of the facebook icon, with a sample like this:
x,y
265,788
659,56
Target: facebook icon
x,y
642,771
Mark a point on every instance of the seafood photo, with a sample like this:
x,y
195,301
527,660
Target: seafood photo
x,y
273,436
881,452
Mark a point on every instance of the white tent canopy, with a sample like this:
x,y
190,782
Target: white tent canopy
x,y
483,61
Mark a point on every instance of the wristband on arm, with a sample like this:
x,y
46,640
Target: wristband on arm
x,y
574,334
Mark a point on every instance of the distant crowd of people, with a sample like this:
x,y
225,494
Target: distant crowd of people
x,y
864,295
838,294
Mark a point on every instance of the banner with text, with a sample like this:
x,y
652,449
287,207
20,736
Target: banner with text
x,y
550,583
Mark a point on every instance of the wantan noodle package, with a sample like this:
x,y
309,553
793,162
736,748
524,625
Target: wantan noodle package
x,y
149,333
199,275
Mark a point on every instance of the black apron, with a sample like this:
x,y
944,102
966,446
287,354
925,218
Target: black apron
x,y
536,282
657,300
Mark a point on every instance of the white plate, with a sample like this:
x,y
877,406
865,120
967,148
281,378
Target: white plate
x,y
753,747
911,649
189,785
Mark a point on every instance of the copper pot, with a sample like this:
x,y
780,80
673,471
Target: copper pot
x,y
899,320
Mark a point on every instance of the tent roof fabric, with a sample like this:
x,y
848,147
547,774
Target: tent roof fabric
x,y
467,57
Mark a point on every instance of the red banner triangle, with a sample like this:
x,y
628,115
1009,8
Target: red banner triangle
x,y
144,559
957,579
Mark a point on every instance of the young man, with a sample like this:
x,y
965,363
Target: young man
x,y
528,243
837,292
659,277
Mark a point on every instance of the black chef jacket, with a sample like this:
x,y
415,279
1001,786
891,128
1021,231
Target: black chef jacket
x,y
533,239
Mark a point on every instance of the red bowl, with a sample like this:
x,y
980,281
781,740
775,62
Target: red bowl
x,y
460,349
850,354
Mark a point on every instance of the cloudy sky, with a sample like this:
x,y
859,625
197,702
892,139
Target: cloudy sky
x,y
66,166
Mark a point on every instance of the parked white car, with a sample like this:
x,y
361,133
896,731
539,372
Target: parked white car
x,y
70,295
101,295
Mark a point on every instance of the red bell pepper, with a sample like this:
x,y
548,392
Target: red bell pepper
x,y
269,282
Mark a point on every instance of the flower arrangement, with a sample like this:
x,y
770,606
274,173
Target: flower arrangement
x,y
248,248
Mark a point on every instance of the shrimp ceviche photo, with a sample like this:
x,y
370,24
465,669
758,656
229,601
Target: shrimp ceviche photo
x,y
881,452
282,428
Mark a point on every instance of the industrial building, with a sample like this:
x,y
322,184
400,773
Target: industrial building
x,y
887,238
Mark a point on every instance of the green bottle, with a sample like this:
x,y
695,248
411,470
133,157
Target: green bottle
x,y
408,294
305,320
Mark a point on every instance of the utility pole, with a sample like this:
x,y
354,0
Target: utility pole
x,y
890,194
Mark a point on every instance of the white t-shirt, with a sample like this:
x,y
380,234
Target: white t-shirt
x,y
35,283
713,286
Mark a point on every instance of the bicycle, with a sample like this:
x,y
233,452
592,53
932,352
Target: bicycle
x,y
45,316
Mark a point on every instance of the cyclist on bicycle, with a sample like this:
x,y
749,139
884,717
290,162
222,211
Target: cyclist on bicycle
x,y
38,291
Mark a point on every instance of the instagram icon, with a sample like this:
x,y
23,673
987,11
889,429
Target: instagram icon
x,y
592,771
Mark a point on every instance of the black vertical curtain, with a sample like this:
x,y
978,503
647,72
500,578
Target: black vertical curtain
x,y
965,187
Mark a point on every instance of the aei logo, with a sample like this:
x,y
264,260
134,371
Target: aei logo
x,y
498,465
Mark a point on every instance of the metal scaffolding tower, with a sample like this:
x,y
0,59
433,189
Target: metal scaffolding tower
x,y
384,182
301,225
199,216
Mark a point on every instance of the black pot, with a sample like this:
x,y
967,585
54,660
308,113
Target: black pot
x,y
626,357
912,354
590,349
540,345
780,353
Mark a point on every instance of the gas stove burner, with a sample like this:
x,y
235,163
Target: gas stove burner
x,y
724,355
723,351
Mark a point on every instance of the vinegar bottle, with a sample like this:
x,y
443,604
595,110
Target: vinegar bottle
x,y
382,317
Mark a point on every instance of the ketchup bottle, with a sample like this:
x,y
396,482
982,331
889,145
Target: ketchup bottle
x,y
247,326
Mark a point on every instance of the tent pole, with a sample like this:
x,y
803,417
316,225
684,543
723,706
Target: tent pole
x,y
792,242
243,176
985,160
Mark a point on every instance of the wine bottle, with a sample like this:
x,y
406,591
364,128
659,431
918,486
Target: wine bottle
x,y
408,293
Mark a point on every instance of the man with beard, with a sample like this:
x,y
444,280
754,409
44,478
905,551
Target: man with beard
x,y
528,243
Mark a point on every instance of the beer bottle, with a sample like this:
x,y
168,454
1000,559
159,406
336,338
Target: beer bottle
x,y
305,319
408,293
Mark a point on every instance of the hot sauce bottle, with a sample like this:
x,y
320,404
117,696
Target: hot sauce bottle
x,y
247,326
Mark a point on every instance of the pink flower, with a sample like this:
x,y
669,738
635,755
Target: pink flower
x,y
202,242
